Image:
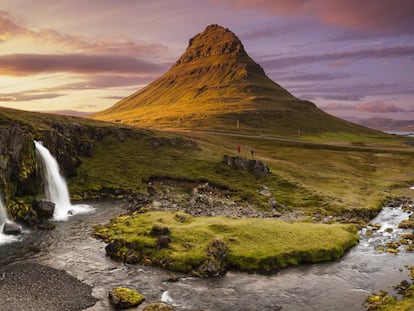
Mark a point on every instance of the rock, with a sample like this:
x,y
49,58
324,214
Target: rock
x,y
163,241
112,249
172,278
44,208
265,193
125,298
11,228
159,229
258,167
158,306
215,264
151,190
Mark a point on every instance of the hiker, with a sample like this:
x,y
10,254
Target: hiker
x,y
238,149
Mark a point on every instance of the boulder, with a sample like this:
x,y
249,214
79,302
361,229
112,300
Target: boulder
x,y
45,208
125,298
215,264
163,241
158,306
258,167
159,229
11,228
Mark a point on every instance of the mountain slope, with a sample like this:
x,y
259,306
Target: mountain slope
x,y
216,85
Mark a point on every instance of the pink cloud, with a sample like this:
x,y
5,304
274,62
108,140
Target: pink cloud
x,y
377,107
372,107
11,28
388,15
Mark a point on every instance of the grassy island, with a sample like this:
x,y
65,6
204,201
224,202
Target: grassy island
x,y
179,242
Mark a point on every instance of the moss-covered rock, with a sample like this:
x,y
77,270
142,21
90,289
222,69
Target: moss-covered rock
x,y
125,298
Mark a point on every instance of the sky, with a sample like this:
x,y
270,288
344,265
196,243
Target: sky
x,y
352,58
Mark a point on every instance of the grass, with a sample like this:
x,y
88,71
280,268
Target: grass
x,y
254,244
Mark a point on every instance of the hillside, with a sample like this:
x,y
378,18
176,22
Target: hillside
x,y
216,85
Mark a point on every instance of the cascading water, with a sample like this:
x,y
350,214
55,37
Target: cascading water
x,y
3,219
3,214
56,189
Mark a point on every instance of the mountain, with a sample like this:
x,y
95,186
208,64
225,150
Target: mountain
x,y
216,85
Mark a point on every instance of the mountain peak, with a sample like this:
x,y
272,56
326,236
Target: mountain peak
x,y
216,85
214,40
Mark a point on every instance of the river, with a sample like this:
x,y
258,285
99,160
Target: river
x,y
340,285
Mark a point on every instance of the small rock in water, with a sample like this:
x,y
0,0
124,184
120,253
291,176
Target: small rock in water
x,y
158,306
11,228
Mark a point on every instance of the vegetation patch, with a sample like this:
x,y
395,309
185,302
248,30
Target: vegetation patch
x,y
196,244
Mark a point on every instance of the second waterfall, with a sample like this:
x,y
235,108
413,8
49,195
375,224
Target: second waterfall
x,y
56,189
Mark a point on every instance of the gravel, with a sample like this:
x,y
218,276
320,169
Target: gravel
x,y
34,287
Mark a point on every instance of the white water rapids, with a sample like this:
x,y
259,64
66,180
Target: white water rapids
x,y
56,189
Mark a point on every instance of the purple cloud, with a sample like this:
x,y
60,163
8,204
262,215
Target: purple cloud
x,y
289,61
372,107
374,15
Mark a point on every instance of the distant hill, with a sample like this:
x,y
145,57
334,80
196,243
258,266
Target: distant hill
x,y
215,85
73,113
385,124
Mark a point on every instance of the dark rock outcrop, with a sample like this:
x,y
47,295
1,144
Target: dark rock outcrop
x,y
11,228
215,264
256,166
68,139
44,208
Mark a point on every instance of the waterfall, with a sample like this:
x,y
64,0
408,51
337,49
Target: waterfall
x,y
5,238
3,215
56,189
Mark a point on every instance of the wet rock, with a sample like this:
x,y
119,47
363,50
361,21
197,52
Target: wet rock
x,y
112,249
159,229
215,264
163,241
158,306
389,230
44,208
125,298
11,228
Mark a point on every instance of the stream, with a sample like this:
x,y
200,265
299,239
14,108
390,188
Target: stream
x,y
343,284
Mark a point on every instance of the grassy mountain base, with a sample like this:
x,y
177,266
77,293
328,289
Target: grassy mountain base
x,y
254,244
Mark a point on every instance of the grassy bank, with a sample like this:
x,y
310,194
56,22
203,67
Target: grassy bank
x,y
253,244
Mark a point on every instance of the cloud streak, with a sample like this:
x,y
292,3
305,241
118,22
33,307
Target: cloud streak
x,y
27,96
371,107
388,52
29,64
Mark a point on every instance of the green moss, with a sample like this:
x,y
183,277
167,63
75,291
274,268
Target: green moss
x,y
254,244
127,296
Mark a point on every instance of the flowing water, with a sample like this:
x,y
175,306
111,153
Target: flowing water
x,y
56,189
339,285
4,238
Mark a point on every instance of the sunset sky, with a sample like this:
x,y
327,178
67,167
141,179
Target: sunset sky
x,y
350,57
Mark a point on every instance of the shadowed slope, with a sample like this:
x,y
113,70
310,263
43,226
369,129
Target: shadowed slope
x,y
216,85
